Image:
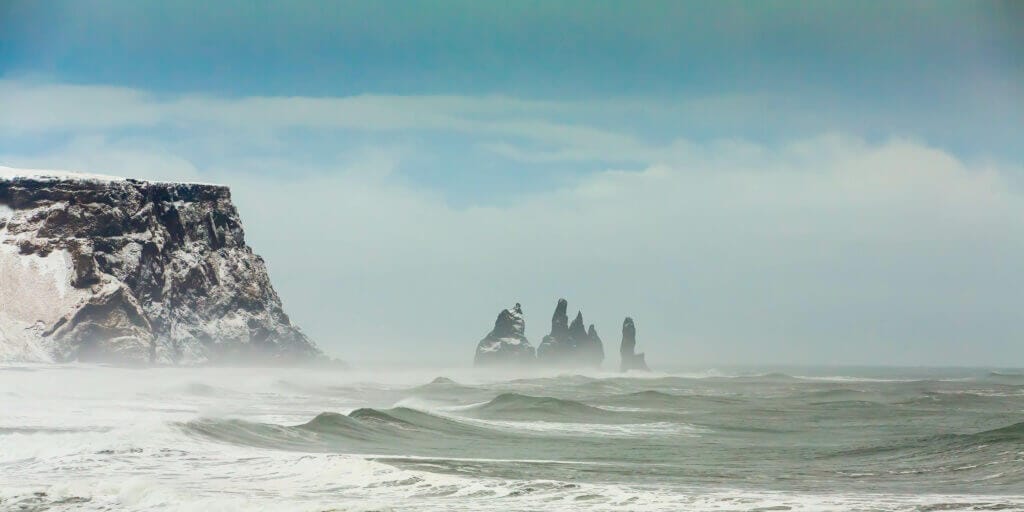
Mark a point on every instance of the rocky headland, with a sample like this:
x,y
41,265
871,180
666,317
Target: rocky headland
x,y
107,269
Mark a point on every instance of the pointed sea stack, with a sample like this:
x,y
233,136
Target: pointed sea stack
x,y
577,331
592,349
506,344
630,360
570,345
553,347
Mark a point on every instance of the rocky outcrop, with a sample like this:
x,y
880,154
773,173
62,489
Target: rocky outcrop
x,y
591,348
506,344
112,269
630,360
556,347
570,345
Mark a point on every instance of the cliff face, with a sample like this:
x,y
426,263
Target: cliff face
x,y
120,270
506,344
570,345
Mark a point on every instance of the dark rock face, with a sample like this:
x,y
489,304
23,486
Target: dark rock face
x,y
506,344
630,360
591,348
138,272
570,345
560,320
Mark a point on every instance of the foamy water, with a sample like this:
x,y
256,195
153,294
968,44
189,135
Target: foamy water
x,y
94,438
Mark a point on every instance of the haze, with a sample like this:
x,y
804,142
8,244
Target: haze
x,y
813,187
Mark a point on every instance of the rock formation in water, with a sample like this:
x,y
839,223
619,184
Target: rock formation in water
x,y
506,344
570,345
630,360
592,348
110,269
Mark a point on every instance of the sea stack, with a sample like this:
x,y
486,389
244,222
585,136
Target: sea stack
x,y
630,360
591,348
506,344
570,345
108,269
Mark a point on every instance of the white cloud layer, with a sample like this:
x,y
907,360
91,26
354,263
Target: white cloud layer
x,y
827,249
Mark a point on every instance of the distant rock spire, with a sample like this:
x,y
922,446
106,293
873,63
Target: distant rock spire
x,y
506,344
577,332
592,349
630,360
560,320
628,336
570,344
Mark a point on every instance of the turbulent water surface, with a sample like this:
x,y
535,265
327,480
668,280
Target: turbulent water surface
x,y
93,438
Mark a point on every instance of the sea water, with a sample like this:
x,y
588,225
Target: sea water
x,y
81,437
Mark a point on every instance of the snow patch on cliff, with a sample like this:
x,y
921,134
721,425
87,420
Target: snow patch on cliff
x,y
10,173
34,292
46,174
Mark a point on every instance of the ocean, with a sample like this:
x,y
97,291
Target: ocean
x,y
79,437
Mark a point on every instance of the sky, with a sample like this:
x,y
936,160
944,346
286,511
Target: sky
x,y
753,182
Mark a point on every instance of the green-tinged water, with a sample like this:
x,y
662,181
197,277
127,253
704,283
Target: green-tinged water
x,y
797,439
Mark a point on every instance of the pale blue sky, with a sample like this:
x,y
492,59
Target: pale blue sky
x,y
823,182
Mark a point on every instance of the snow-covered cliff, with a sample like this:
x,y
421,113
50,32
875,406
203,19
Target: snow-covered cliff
x,y
98,268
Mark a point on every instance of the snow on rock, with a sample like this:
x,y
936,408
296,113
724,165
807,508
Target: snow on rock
x,y
50,175
102,268
506,344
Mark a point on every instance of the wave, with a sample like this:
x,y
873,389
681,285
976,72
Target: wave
x,y
757,377
443,387
965,398
1007,434
510,422
520,407
360,430
248,433
835,393
960,447
660,400
849,404
405,420
1006,377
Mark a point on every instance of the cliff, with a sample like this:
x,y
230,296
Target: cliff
x,y
109,269
506,344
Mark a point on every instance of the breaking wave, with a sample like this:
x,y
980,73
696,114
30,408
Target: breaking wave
x,y
768,441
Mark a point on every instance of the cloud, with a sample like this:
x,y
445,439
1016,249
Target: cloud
x,y
40,107
830,249
827,250
611,130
